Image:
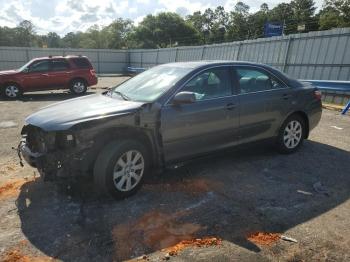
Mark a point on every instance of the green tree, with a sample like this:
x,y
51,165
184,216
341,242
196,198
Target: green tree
x,y
53,40
25,34
117,33
71,40
7,36
219,26
336,13
303,14
165,30
238,26
258,20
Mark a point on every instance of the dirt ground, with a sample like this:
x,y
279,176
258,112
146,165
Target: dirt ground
x,y
232,206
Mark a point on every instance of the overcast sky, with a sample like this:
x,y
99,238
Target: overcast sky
x,y
63,16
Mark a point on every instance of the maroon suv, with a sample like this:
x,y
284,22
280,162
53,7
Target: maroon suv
x,y
54,72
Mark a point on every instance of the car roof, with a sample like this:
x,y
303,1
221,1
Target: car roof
x,y
204,63
199,65
58,57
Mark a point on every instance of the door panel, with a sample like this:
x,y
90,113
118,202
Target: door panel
x,y
60,73
37,77
208,124
263,103
199,127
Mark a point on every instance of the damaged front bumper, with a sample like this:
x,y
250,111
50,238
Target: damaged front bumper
x,y
52,161
30,157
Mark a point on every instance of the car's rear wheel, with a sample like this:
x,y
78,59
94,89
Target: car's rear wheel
x,y
291,135
78,87
120,168
11,91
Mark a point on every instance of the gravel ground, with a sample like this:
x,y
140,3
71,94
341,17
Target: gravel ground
x,y
227,196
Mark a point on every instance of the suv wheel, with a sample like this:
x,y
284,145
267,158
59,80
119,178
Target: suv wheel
x,y
12,91
78,87
120,168
291,135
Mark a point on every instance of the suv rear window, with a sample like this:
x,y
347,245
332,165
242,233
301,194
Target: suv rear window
x,y
59,65
81,62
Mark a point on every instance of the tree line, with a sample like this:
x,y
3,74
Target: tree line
x,y
170,29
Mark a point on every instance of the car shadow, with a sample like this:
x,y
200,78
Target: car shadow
x,y
228,195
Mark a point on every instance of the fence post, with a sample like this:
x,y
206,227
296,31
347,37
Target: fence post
x,y
286,56
238,51
177,49
27,54
141,65
157,56
98,62
128,58
203,51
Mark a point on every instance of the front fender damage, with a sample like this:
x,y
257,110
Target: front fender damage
x,y
54,159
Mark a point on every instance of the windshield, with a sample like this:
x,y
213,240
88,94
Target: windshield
x,y
151,84
24,66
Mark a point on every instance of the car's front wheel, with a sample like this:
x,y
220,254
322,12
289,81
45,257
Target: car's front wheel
x,y
78,87
120,168
11,91
291,135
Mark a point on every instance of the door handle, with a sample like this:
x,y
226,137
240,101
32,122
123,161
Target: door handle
x,y
286,96
45,74
231,106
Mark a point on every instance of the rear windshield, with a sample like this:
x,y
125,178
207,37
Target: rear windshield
x,y
82,62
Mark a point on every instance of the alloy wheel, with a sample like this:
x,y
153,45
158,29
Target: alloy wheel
x,y
12,91
79,87
128,170
292,134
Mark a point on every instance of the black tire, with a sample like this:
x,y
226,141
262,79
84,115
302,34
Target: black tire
x,y
105,164
284,145
78,86
11,91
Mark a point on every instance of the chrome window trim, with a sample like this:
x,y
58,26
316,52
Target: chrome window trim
x,y
234,66
257,92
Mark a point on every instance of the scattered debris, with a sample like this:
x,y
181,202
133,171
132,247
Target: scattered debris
x,y
7,124
153,231
196,242
8,167
17,256
290,239
320,188
304,192
192,186
263,238
338,128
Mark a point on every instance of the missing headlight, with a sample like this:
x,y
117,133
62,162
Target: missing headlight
x,y
65,140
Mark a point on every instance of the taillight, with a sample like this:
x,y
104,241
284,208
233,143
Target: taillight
x,y
318,94
92,72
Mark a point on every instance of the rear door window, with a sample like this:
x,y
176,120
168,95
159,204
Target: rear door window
x,y
253,80
59,65
81,62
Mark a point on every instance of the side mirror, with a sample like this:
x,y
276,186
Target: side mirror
x,y
26,70
184,98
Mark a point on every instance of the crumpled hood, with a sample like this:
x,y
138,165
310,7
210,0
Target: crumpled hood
x,y
8,72
63,115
